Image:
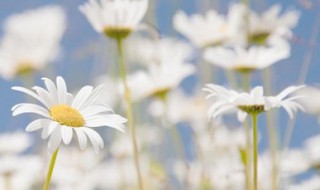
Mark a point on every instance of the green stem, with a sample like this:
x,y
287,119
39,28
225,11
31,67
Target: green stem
x,y
129,110
248,164
246,80
52,163
272,132
255,150
248,157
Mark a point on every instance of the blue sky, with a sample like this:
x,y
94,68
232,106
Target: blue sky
x,y
80,35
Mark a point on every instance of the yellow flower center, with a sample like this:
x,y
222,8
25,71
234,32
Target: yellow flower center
x,y
117,33
67,115
24,68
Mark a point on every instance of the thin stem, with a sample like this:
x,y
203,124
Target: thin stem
x,y
248,157
129,111
52,163
248,164
273,136
255,150
246,80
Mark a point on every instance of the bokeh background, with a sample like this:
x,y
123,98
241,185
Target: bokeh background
x,y
84,50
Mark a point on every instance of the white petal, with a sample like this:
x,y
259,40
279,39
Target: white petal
x,y
110,120
82,138
66,133
29,108
62,90
55,140
47,131
288,91
52,89
95,139
94,110
30,93
94,96
241,115
82,96
37,124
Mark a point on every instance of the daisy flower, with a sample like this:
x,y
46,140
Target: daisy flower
x,y
211,28
159,78
270,23
311,106
255,102
242,59
31,40
63,115
115,18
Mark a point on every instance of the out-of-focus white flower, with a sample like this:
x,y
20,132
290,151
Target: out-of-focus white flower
x,y
312,183
121,147
14,143
290,104
211,29
110,98
291,163
160,77
250,103
310,94
246,60
271,23
146,51
31,40
17,170
64,114
312,150
180,107
75,169
114,17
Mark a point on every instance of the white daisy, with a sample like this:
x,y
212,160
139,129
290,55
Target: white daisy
x,y
210,29
114,17
31,40
64,114
159,78
311,106
246,60
312,183
145,51
265,25
14,142
250,103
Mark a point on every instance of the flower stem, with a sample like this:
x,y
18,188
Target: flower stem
x,y
129,111
52,163
248,162
255,150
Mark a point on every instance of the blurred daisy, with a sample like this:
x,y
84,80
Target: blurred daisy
x,y
263,26
312,183
114,18
14,142
64,114
311,106
211,29
31,40
145,51
159,78
242,59
17,169
255,102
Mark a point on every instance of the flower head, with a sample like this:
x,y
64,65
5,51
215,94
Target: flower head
x,y
271,23
255,102
211,28
31,40
246,60
115,18
64,114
